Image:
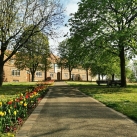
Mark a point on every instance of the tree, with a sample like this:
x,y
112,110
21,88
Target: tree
x,y
86,66
67,56
99,61
47,64
4,79
131,76
134,67
109,25
131,71
34,53
104,64
16,15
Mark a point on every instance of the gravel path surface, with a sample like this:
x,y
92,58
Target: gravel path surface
x,y
66,112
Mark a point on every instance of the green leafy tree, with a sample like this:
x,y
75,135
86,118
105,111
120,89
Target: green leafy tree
x,y
131,76
16,15
99,61
109,25
33,55
134,67
105,65
131,69
46,63
86,66
67,56
80,58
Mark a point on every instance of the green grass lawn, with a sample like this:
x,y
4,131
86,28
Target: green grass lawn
x,y
123,100
81,83
9,90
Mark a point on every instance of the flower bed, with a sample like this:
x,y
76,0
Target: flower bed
x,y
14,112
48,82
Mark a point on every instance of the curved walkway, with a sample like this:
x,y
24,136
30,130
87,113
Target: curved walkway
x,y
66,112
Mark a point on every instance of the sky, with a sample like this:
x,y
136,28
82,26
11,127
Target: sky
x,y
71,7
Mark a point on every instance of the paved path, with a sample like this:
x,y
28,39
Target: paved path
x,y
66,112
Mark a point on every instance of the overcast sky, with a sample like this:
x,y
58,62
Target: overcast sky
x,y
71,7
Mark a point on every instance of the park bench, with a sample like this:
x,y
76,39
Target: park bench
x,y
114,82
109,82
101,82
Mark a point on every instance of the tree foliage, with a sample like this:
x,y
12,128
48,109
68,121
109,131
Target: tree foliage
x,y
67,56
16,15
33,54
108,25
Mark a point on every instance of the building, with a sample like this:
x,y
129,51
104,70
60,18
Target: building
x,y
12,74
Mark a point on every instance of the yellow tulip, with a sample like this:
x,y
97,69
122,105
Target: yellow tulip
x,y
0,104
9,111
25,104
21,94
15,113
21,102
1,113
10,135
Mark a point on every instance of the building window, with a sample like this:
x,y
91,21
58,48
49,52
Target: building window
x,y
66,75
38,74
15,72
51,75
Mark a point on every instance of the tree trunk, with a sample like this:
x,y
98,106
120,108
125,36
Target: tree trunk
x,y
32,76
122,66
99,77
1,73
2,63
45,78
61,72
70,70
87,73
113,77
70,75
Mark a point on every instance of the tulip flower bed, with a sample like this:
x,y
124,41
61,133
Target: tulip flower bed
x,y
14,112
48,82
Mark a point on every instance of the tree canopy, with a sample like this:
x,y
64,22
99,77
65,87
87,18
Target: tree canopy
x,y
67,56
32,55
108,25
16,15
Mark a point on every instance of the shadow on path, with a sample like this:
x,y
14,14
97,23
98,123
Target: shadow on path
x,y
66,112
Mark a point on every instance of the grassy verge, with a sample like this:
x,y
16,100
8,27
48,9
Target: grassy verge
x,y
11,89
123,100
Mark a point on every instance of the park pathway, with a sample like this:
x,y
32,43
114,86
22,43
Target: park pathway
x,y
66,112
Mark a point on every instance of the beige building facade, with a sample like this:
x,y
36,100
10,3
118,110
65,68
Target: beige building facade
x,y
12,74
